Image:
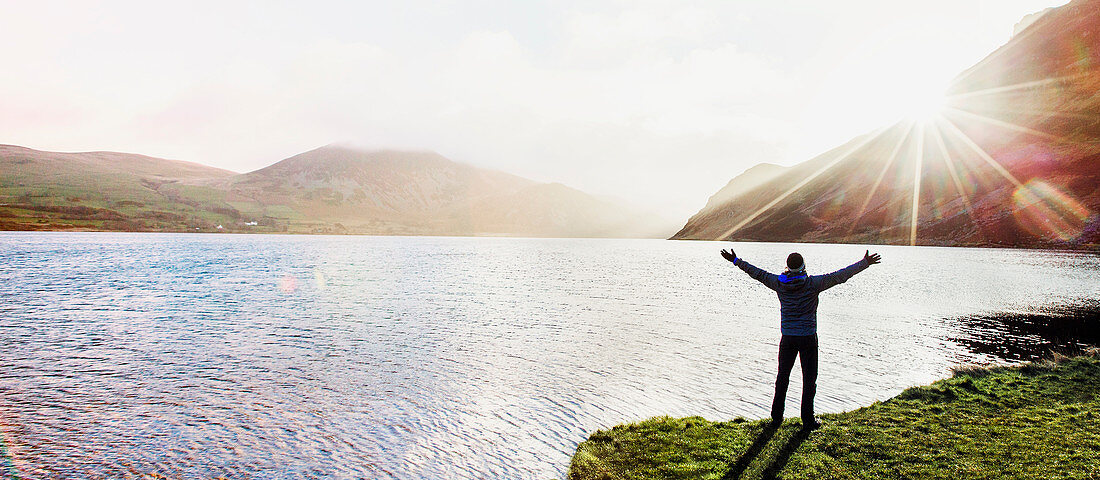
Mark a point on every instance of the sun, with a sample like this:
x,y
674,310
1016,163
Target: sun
x,y
924,105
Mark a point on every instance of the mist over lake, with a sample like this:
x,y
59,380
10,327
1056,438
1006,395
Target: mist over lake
x,y
244,356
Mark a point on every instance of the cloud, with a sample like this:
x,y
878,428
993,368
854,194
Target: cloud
x,y
635,34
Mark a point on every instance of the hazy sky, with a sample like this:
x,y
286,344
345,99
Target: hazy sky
x,y
659,103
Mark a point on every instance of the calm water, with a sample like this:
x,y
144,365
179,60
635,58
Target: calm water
x,y
197,356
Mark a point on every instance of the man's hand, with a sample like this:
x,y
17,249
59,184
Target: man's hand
x,y
871,258
729,255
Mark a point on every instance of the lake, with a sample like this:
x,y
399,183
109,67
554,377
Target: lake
x,y
246,356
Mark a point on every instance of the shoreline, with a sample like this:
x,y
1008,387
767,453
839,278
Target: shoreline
x,y
1087,248
1037,420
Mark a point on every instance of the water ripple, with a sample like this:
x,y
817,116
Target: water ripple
x,y
205,356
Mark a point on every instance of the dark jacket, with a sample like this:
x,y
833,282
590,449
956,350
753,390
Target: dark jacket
x,y
798,294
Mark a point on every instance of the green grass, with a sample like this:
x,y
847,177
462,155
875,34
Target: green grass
x,y
1039,420
123,204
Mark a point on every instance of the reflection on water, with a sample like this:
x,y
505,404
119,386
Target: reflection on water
x,y
198,356
1026,336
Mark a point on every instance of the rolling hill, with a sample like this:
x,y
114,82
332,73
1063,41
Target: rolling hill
x,y
105,191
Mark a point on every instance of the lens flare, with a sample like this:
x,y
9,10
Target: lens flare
x,y
917,166
881,174
939,171
1035,84
1003,124
840,158
9,466
1045,211
946,156
288,284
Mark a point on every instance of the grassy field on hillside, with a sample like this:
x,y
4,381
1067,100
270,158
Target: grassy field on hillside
x,y
1040,420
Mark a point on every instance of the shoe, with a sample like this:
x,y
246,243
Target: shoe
x,y
811,425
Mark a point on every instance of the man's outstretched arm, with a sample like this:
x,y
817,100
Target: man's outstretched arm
x,y
838,277
769,280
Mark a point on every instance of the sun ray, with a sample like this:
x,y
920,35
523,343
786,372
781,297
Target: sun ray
x,y
1004,124
982,153
916,184
947,160
1039,207
1017,86
1041,113
804,181
881,175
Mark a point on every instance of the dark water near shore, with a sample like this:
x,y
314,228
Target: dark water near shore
x,y
197,356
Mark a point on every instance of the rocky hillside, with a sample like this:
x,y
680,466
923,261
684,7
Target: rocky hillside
x,y
1010,160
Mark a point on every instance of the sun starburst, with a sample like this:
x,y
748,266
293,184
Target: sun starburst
x,y
936,127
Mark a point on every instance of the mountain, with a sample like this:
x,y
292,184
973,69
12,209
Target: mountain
x,y
331,189
739,185
339,189
1009,160
422,193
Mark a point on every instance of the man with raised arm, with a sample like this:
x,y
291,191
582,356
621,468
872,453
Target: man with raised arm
x,y
798,311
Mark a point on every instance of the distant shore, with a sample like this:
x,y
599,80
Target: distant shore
x,y
1036,420
11,226
1053,246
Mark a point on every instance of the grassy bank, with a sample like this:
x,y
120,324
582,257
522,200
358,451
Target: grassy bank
x,y
1038,420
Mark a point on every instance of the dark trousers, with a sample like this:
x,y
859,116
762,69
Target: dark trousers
x,y
805,347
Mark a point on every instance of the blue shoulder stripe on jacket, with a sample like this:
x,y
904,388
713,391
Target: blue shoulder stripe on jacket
x,y
785,279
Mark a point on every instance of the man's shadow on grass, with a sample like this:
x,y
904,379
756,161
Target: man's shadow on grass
x,y
738,468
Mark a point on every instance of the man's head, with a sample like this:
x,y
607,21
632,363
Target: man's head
x,y
795,262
